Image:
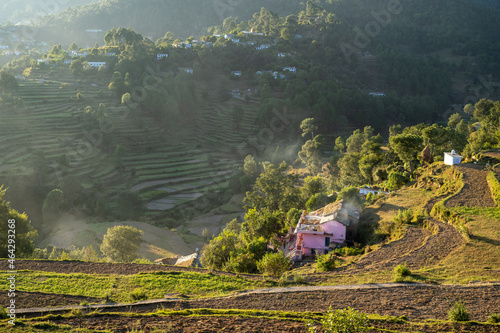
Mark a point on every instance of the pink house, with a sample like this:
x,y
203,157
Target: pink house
x,y
321,230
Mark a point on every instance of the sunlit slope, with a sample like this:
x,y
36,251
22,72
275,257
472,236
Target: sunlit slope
x,y
44,136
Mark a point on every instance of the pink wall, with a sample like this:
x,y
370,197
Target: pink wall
x,y
317,241
335,228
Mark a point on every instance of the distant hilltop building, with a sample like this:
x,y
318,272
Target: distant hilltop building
x,y
93,30
452,158
377,94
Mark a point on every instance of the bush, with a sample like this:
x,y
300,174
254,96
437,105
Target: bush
x,y
494,318
349,251
458,312
274,264
341,321
396,180
138,295
401,272
494,186
403,216
3,313
325,262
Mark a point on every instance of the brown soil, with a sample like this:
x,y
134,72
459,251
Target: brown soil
x,y
238,324
417,303
42,300
475,192
70,267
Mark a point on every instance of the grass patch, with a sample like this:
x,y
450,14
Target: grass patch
x,y
144,285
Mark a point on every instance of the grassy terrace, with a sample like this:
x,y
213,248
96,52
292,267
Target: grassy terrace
x,y
119,287
48,124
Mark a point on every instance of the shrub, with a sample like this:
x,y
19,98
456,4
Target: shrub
x,y
3,313
274,264
458,312
138,295
401,272
349,251
341,321
403,216
396,180
494,186
494,318
325,262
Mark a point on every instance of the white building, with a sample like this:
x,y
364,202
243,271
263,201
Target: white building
x,y
186,69
452,158
290,69
161,55
96,64
236,73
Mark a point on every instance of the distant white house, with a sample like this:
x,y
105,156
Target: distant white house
x,y
186,69
4,47
298,36
281,55
373,190
452,158
290,69
235,40
161,55
377,94
67,61
263,47
93,30
97,64
236,73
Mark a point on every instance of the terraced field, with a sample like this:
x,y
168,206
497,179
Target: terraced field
x,y
44,137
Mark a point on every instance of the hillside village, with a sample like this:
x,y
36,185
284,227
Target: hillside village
x,y
263,174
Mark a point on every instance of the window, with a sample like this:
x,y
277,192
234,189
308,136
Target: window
x,y
327,241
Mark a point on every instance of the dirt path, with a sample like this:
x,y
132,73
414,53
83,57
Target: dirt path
x,y
416,302
475,192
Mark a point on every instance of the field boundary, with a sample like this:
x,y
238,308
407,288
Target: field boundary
x,y
126,307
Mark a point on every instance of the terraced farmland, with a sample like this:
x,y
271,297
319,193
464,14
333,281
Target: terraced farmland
x,y
45,137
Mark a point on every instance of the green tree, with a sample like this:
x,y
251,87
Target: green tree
x,y
22,234
307,126
310,154
73,47
121,243
355,142
218,252
312,186
342,321
274,189
351,195
274,264
454,120
117,84
339,145
262,223
7,81
350,175
407,146
126,98
76,67
250,167
367,163
51,206
469,109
